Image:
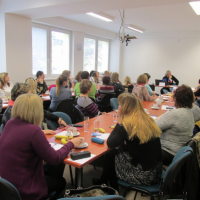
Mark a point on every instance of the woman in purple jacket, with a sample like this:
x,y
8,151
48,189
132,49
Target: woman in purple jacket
x,y
24,147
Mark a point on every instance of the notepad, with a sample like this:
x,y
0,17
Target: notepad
x,y
5,104
104,136
56,146
167,107
45,97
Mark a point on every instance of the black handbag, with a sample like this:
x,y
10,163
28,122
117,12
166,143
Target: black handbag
x,y
93,191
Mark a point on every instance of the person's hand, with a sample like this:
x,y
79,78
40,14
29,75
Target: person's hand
x,y
154,93
61,122
48,132
77,141
155,96
103,113
40,80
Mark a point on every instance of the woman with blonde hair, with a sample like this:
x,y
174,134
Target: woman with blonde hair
x,y
116,82
60,92
5,84
70,83
27,147
33,84
127,81
142,155
141,91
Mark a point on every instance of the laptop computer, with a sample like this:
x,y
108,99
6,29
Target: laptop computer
x,y
159,82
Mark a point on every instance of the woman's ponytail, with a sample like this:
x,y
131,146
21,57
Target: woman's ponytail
x,y
59,82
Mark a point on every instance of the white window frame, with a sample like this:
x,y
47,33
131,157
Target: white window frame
x,y
49,63
96,50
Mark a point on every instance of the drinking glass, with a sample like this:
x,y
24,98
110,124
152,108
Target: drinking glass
x,y
96,125
115,115
86,124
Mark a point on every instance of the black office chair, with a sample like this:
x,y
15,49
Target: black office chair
x,y
79,114
152,87
118,93
130,88
8,191
66,106
104,104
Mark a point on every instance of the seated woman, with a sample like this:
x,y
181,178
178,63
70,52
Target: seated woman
x,y
141,91
139,153
95,77
177,125
77,78
70,83
60,92
23,88
106,88
118,87
151,92
127,84
41,84
169,79
5,85
84,103
23,138
198,86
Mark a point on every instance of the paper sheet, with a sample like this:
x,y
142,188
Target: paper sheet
x,y
62,133
81,161
104,136
5,104
45,97
56,146
153,116
167,107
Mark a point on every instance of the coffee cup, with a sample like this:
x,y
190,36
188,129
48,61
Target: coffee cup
x,y
155,106
82,143
69,133
158,102
74,130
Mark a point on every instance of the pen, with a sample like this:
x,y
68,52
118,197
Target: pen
x,y
54,145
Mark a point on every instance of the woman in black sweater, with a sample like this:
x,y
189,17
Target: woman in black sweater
x,y
139,158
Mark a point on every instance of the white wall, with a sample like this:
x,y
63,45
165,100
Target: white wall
x,y
155,56
18,34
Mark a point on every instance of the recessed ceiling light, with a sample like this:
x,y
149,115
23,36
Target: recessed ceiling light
x,y
101,16
134,28
195,6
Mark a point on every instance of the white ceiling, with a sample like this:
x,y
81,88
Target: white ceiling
x,y
153,16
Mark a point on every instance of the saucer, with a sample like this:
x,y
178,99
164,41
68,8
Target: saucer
x,y
77,134
84,146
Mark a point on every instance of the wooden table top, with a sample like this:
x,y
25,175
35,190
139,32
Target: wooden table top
x,y
106,121
44,99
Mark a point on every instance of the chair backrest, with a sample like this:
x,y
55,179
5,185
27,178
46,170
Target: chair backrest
x,y
106,99
1,116
130,88
118,93
184,154
66,106
152,87
8,191
1,128
114,103
54,125
80,114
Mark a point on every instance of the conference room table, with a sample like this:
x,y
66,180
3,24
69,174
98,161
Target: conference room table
x,y
97,150
45,98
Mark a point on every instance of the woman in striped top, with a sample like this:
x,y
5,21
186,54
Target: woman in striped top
x,y
84,103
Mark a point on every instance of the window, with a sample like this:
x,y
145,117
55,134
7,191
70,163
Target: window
x,y
96,54
50,50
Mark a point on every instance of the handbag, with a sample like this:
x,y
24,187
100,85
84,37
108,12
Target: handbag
x,y
93,191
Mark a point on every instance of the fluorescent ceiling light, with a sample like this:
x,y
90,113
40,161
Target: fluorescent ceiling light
x,y
101,16
134,28
195,6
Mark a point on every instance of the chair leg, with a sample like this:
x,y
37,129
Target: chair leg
x,y
135,195
71,175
